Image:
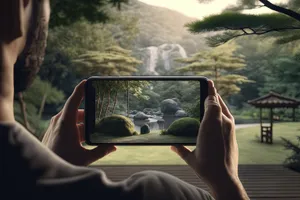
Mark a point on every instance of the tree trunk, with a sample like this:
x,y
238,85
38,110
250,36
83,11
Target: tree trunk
x,y
101,105
31,58
115,102
282,10
108,101
42,105
98,103
127,99
23,112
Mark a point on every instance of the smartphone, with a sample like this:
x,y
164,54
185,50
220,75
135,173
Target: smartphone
x,y
144,110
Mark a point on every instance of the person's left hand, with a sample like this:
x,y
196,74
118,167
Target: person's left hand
x,y
66,133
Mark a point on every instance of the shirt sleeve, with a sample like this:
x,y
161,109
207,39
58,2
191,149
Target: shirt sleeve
x,y
30,170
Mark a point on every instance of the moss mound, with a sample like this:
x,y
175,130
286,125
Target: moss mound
x,y
116,125
186,126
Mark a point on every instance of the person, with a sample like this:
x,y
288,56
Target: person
x,y
57,166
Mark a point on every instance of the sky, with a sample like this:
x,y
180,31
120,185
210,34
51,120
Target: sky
x,y
193,8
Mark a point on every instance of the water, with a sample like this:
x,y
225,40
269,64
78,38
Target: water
x,y
163,51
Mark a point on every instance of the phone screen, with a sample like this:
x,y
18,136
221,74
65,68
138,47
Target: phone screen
x,y
145,111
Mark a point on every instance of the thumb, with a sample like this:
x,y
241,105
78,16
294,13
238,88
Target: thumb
x,y
185,153
100,152
212,105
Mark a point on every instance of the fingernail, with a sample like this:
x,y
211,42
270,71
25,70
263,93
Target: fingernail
x,y
212,98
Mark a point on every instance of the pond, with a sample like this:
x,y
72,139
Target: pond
x,y
155,122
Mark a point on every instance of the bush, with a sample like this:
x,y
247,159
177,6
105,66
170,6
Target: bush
x,y
293,161
116,125
184,127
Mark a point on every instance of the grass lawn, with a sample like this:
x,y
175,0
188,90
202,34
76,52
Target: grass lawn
x,y
250,149
152,137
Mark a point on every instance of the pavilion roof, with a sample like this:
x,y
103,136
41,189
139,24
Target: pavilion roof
x,y
274,100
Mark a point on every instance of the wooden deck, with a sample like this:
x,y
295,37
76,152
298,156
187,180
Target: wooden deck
x,y
262,182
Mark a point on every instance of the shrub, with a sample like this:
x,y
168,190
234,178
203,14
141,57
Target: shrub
x,y
116,125
184,127
293,161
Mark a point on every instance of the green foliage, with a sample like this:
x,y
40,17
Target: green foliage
x,y
39,94
187,126
236,24
114,61
65,12
107,95
237,21
293,161
40,89
218,64
116,125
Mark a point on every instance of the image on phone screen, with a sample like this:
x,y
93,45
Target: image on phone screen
x,y
146,111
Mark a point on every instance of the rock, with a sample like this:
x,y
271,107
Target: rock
x,y
181,113
146,110
145,129
140,116
169,106
133,112
158,113
176,100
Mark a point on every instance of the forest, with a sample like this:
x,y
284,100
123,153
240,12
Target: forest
x,y
114,42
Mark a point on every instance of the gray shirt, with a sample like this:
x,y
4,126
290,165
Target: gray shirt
x,y
31,171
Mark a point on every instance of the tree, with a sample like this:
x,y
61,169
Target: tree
x,y
113,61
65,12
293,161
31,103
233,23
219,64
108,90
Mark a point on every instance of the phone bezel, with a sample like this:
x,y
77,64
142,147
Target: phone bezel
x,y
89,99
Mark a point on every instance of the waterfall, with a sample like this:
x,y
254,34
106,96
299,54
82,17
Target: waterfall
x,y
164,53
153,51
182,51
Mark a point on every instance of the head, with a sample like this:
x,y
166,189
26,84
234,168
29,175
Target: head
x,y
37,15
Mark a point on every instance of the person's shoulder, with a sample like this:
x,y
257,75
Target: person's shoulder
x,y
162,185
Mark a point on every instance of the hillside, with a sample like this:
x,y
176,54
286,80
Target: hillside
x,y
159,25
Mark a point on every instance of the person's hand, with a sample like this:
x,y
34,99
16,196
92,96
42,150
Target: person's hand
x,y
215,158
66,133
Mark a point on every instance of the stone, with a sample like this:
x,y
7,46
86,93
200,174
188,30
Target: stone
x,y
181,113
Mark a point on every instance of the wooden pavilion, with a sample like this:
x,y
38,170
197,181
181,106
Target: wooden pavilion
x,y
271,101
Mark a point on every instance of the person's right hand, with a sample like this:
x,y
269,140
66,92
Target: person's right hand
x,y
215,158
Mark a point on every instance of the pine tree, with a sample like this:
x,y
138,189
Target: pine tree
x,y
293,161
220,65
113,61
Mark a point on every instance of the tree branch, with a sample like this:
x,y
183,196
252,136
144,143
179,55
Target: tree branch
x,y
285,11
261,33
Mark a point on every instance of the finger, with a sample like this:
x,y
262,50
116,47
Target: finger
x,y
100,152
184,152
71,107
225,109
81,132
80,116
